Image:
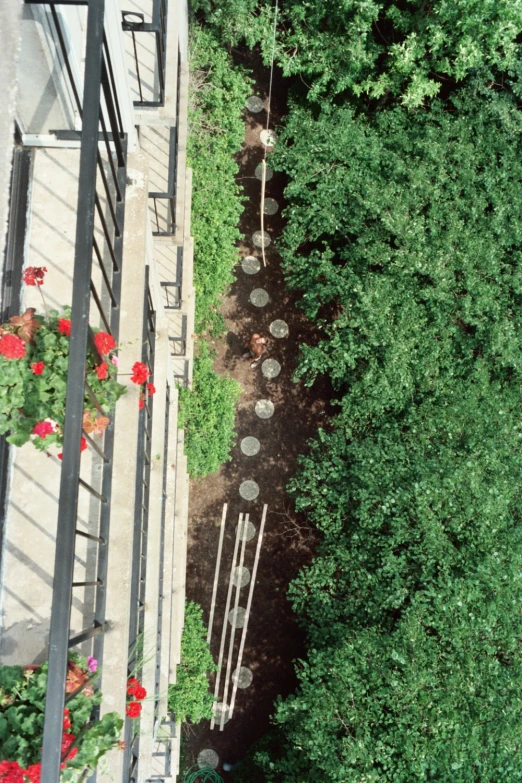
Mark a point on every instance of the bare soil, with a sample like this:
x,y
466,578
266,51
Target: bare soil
x,y
273,641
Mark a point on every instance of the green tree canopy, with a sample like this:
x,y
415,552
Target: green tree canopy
x,y
379,48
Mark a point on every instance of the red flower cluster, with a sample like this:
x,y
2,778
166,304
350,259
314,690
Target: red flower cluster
x,y
64,326
34,275
67,755
43,429
38,367
140,373
136,690
12,772
67,725
104,343
133,709
83,446
102,371
12,347
151,389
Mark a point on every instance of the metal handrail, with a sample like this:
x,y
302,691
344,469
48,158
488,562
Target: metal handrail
x,y
158,27
101,181
141,517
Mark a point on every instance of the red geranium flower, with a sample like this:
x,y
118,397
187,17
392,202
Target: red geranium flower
x,y
34,773
34,275
141,403
140,693
133,709
151,389
64,326
38,367
12,347
66,720
83,446
140,373
102,370
104,342
43,429
11,772
132,684
67,755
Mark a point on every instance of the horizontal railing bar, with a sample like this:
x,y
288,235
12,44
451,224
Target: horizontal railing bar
x,y
56,2
76,135
108,196
113,84
161,195
88,584
93,492
94,399
88,633
98,304
110,99
99,539
111,161
105,231
96,448
105,277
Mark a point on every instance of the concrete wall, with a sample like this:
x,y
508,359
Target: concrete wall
x,y
10,14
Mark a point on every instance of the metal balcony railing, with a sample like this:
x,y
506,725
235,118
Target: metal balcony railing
x,y
149,61
141,524
97,257
165,217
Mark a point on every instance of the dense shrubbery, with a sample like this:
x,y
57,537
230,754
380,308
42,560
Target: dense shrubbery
x,y
190,698
207,414
404,234
219,91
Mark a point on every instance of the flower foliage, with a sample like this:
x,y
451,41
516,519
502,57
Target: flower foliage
x,y
22,701
34,358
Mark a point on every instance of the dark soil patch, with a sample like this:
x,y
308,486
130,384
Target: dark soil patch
x,y
273,641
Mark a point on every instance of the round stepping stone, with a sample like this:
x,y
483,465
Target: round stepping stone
x,y
249,490
240,617
279,329
248,532
259,297
265,409
208,758
271,206
259,173
270,368
250,446
251,265
268,138
217,711
255,104
242,677
241,576
261,239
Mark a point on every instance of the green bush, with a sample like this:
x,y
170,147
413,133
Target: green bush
x,y
218,93
190,698
207,413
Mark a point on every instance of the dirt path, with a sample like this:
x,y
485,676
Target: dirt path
x,y
273,639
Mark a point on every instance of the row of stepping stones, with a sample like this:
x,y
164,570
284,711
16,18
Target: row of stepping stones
x,y
250,446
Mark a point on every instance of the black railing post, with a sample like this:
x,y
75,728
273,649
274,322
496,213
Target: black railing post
x,y
70,472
